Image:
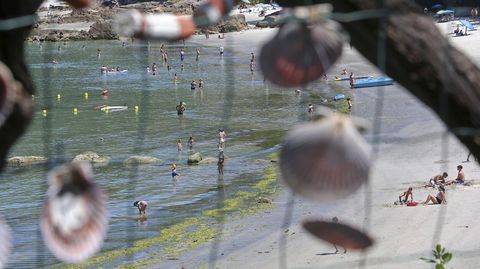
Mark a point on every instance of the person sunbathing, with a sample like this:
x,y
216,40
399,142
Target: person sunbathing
x,y
460,177
406,194
439,198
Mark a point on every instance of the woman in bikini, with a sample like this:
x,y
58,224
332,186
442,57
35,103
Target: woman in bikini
x,y
439,198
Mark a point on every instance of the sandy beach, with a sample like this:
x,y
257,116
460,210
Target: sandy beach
x,y
413,147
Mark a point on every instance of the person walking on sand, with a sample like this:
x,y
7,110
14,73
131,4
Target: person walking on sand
x,y
406,194
190,142
221,139
173,167
179,145
335,220
440,198
352,80
460,177
141,205
220,163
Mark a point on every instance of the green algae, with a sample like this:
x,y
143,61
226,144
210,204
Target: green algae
x,y
191,232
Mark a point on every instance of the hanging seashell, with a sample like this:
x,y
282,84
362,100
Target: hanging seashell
x,y
73,221
8,88
298,54
338,234
326,159
5,243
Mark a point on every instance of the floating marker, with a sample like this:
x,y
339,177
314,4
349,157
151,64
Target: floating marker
x,y
75,111
44,112
59,97
136,108
86,95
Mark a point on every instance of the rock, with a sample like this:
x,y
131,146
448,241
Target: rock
x,y
233,23
91,157
263,24
264,200
194,158
102,29
134,160
18,161
208,160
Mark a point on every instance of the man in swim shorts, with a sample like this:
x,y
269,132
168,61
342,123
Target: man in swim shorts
x,y
460,176
180,108
141,205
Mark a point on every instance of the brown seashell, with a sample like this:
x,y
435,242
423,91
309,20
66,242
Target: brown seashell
x,y
73,222
5,243
7,92
338,234
325,159
298,54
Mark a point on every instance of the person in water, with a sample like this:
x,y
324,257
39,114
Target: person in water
x,y
193,85
406,194
200,84
180,108
220,163
350,105
221,50
182,55
352,80
190,142
198,55
179,145
141,205
221,139
173,167
310,109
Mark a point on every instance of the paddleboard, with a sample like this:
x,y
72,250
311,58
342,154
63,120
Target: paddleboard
x,y
114,108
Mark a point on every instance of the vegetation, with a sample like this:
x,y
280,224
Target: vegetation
x,y
441,257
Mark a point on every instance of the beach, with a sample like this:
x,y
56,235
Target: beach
x,y
413,145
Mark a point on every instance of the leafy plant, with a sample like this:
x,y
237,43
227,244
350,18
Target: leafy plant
x,y
441,257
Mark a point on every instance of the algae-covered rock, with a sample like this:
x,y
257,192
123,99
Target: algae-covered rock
x,y
135,160
208,160
18,161
91,157
194,158
264,200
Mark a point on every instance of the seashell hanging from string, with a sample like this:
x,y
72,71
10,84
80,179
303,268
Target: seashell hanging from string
x,y
325,159
338,234
5,243
8,92
73,221
300,54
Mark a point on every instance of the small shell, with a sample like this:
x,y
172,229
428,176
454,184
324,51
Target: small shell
x,y
7,92
298,54
74,218
5,243
326,159
338,234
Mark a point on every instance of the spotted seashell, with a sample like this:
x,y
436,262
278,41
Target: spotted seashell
x,y
325,159
73,221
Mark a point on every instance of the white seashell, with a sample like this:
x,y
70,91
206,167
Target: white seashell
x,y
8,92
73,222
5,243
325,159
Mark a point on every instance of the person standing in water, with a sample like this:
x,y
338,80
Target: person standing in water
x,y
251,66
193,85
179,145
352,80
198,55
220,163
190,142
141,205
174,173
200,84
350,105
182,55
221,50
252,59
180,108
221,139
310,109
175,78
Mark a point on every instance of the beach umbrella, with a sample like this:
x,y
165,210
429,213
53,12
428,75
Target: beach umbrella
x,y
338,234
445,12
325,159
73,221
298,54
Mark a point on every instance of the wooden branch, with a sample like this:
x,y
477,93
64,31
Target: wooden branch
x,y
420,58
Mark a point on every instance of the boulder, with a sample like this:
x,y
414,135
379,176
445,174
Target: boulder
x,y
91,157
19,161
263,24
135,160
102,29
233,23
208,160
194,158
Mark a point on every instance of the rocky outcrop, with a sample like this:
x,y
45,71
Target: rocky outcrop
x,y
102,29
20,161
136,160
194,158
233,23
91,157
208,160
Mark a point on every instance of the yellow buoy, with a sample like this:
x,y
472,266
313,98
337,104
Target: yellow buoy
x,y
136,108
86,95
59,97
44,112
106,110
75,111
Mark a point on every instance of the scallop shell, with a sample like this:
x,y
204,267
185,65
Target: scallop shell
x,y
338,234
298,54
326,159
7,92
73,221
5,243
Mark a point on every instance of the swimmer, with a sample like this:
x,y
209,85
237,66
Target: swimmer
x,y
221,50
349,102
180,108
198,55
104,92
141,205
200,84
220,163
193,85
179,145
148,69
221,139
190,142
251,66
175,78
182,55
253,57
310,109
173,167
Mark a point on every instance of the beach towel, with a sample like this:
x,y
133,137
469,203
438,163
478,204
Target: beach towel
x,y
412,204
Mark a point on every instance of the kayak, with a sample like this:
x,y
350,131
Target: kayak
x,y
114,108
372,82
117,72
339,97
342,79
